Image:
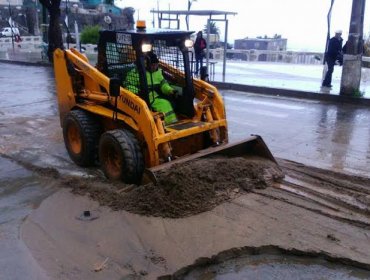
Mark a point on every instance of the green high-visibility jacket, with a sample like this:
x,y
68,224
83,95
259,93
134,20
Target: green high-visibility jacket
x,y
156,82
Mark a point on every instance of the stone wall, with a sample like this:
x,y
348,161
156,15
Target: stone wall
x,y
269,56
25,19
123,21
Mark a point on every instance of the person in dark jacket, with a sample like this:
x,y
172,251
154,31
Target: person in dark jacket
x,y
199,46
333,54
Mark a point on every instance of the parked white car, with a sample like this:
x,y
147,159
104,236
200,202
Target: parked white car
x,y
8,32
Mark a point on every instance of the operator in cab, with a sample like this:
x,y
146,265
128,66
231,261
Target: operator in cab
x,y
159,88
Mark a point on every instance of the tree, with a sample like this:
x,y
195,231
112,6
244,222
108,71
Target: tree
x,y
31,14
54,32
213,28
90,35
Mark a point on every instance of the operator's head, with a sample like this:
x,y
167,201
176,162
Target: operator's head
x,y
151,61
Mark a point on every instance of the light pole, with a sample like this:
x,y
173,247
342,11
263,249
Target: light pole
x,y
351,73
11,23
37,24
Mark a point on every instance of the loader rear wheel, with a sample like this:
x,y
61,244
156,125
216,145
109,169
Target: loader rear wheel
x,y
121,157
81,136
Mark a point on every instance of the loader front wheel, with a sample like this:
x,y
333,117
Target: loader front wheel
x,y
121,157
81,135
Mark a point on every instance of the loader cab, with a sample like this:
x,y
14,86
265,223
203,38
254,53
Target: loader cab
x,y
119,52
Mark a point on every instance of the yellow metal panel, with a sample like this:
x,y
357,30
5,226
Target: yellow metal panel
x,y
108,113
90,84
127,102
135,112
66,99
172,135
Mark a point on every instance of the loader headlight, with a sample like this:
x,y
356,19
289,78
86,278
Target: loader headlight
x,y
146,48
189,43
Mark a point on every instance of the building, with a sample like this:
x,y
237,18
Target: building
x,y
11,2
272,44
262,43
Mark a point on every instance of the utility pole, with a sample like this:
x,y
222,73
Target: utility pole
x,y
11,23
328,19
44,19
36,30
351,73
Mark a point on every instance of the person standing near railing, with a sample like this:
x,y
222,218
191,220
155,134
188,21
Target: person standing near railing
x,y
199,46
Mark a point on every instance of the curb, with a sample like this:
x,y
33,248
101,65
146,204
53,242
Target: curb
x,y
44,64
293,93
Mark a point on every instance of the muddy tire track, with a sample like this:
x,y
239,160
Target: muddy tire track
x,y
336,195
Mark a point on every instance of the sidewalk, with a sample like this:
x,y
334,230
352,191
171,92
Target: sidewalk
x,y
293,77
287,79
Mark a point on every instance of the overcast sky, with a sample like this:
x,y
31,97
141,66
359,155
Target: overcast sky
x,y
302,22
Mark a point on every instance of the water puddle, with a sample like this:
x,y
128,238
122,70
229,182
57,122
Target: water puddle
x,y
277,267
271,262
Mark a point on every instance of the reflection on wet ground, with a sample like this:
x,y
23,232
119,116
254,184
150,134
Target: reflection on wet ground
x,y
327,135
26,91
277,268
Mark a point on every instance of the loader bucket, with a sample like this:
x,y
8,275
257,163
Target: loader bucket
x,y
252,146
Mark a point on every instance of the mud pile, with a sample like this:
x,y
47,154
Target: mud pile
x,y
183,190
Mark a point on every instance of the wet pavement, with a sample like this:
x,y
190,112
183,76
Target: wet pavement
x,y
29,129
26,91
20,193
313,132
334,136
299,77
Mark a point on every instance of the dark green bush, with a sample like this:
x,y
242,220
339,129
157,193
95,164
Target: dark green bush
x,y
90,35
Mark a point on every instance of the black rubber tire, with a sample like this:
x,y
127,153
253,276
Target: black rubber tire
x,y
82,146
121,157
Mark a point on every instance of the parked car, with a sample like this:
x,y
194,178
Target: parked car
x,y
9,32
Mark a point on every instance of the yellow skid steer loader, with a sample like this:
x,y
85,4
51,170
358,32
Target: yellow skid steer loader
x,y
104,122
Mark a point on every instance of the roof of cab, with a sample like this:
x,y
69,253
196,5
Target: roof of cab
x,y
148,34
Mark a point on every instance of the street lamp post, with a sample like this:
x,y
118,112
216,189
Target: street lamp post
x,y
351,73
37,24
11,24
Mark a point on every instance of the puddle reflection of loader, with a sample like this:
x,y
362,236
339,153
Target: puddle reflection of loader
x,y
103,122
